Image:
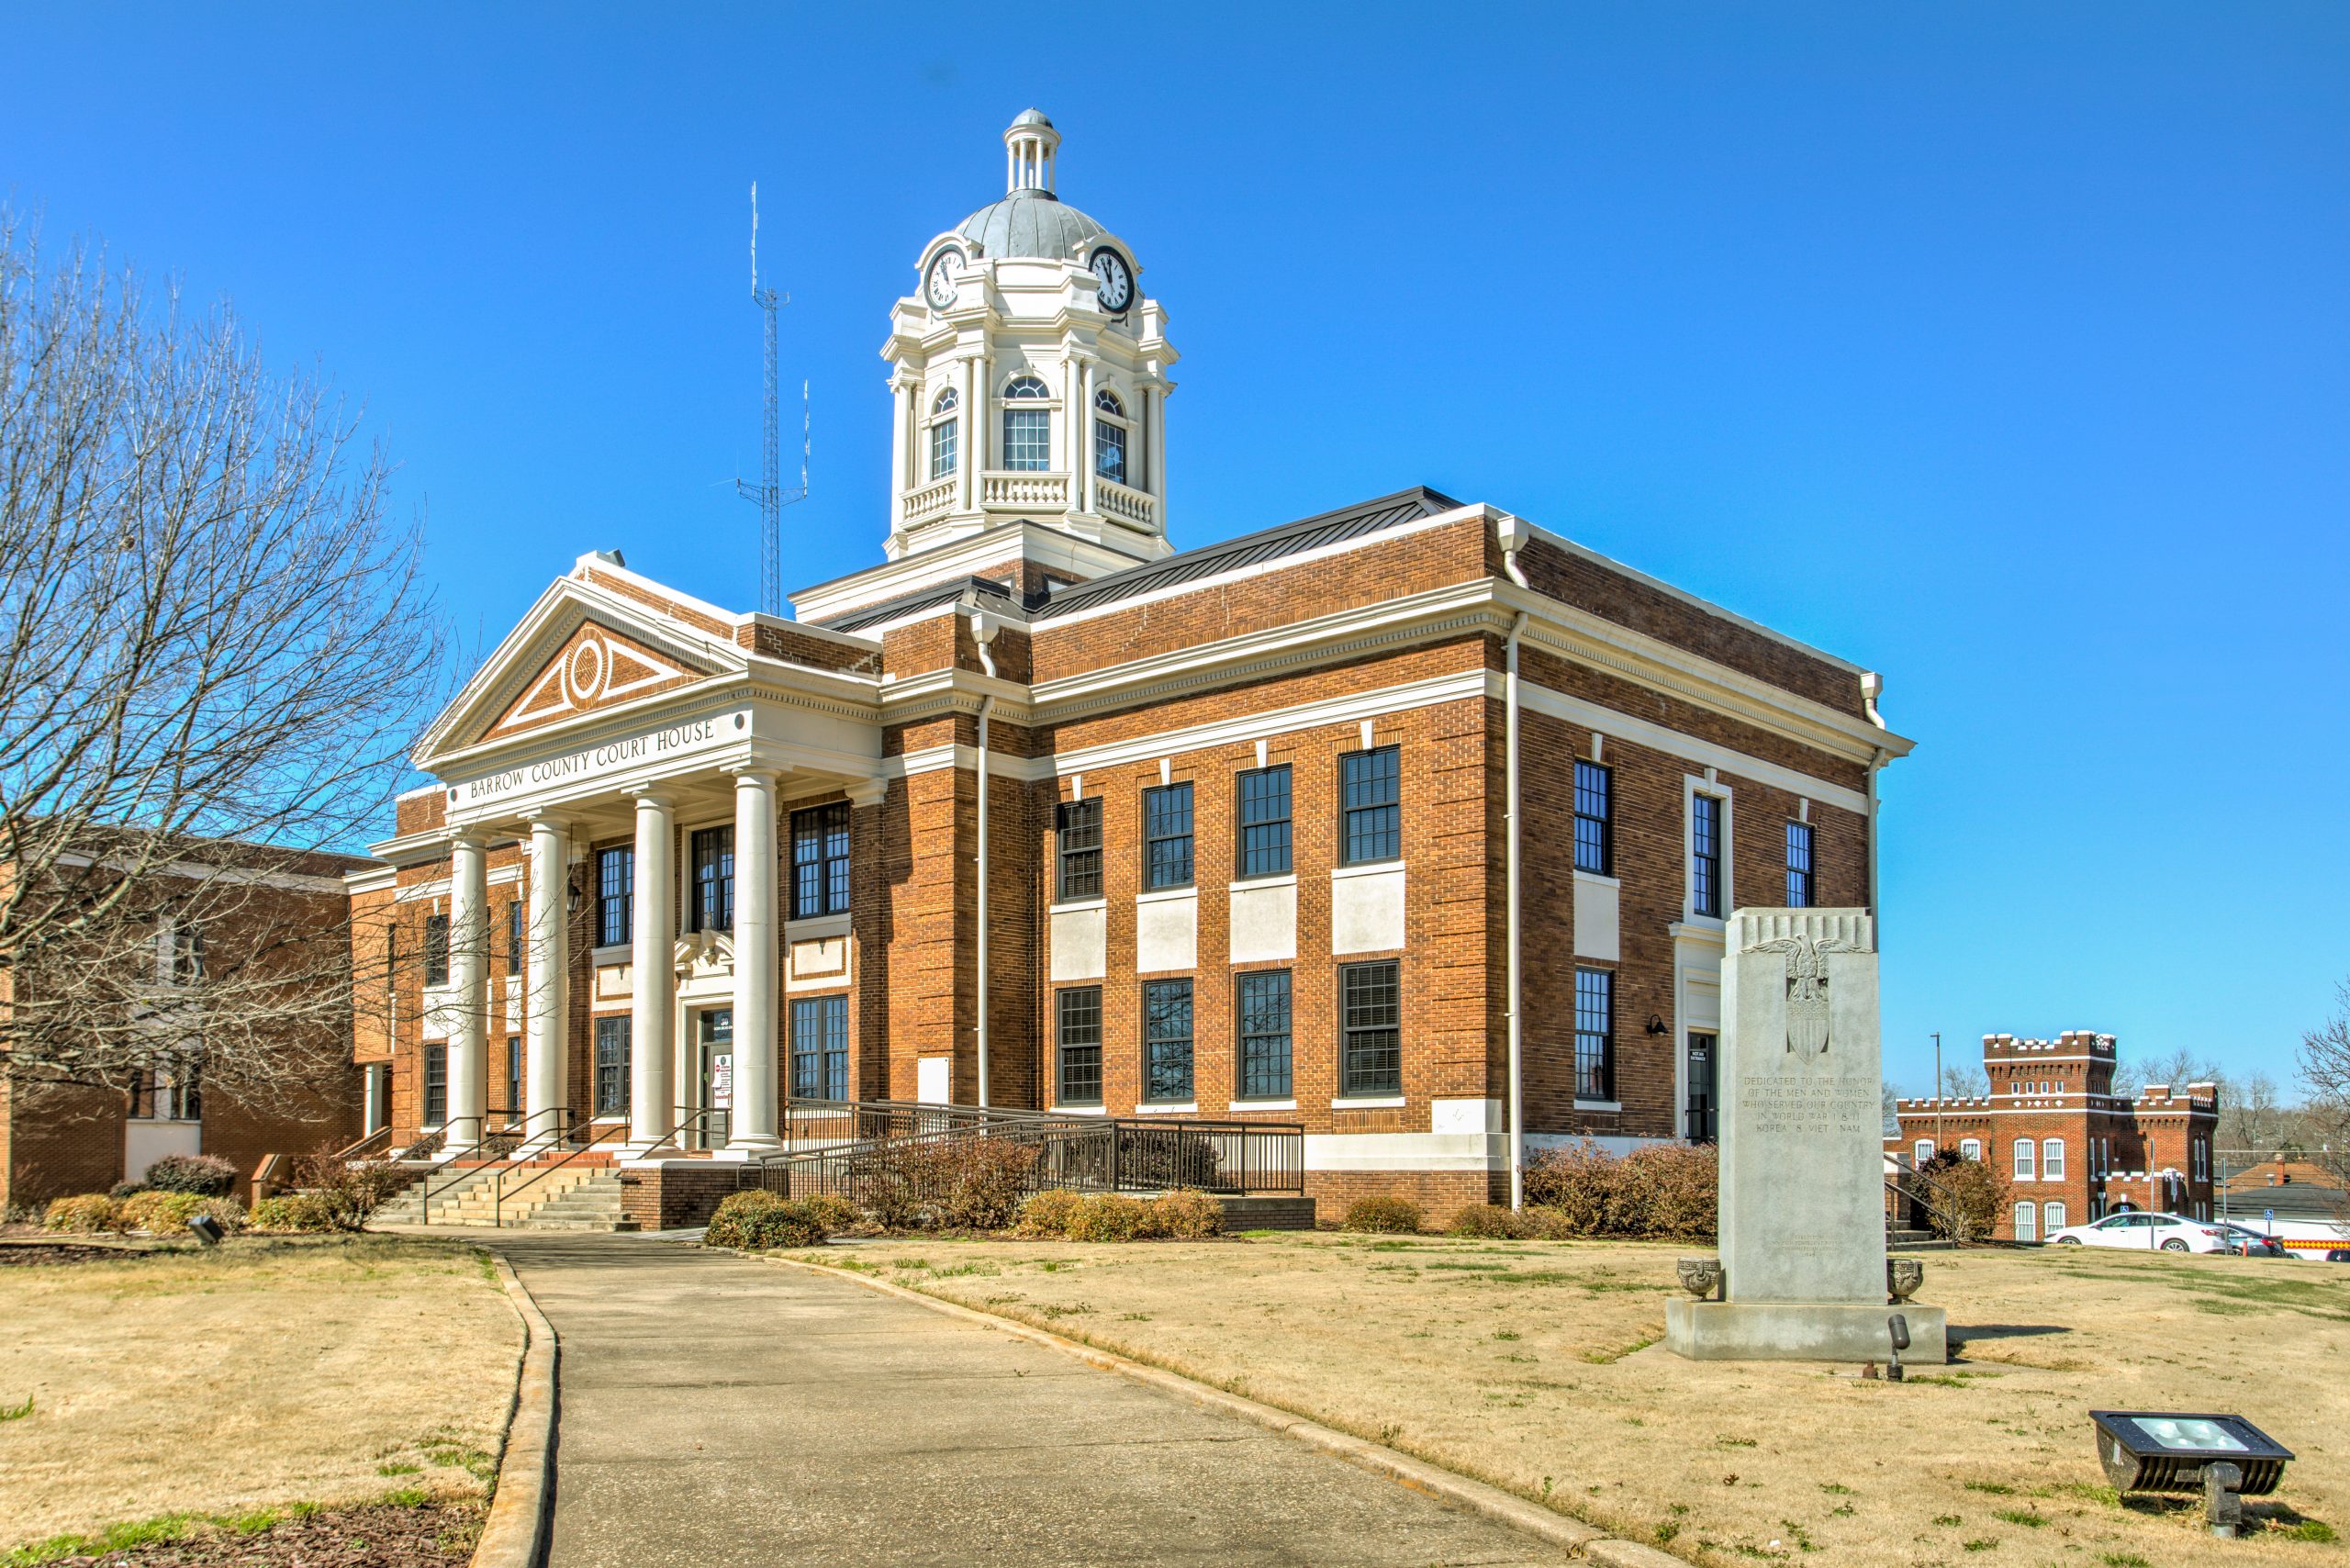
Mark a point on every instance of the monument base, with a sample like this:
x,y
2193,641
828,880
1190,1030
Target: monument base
x,y
1801,1331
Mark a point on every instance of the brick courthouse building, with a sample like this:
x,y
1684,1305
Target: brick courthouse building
x,y
1038,811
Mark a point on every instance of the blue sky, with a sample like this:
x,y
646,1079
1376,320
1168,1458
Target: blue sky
x,y
1999,348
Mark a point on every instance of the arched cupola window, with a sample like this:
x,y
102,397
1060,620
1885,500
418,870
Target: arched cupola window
x,y
1027,432
1109,437
944,430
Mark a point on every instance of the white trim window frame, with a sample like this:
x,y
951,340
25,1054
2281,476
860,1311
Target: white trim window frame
x,y
1113,435
2025,1158
2051,1159
942,437
1723,894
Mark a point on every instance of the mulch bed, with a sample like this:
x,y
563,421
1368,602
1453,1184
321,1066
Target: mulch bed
x,y
34,1253
377,1535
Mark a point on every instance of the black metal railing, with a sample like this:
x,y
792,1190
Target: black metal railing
x,y
508,1183
1919,1197
902,1152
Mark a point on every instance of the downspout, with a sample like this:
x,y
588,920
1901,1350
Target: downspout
x,y
982,633
1512,534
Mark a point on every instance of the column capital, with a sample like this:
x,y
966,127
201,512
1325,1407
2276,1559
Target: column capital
x,y
649,797
763,772
554,822
469,839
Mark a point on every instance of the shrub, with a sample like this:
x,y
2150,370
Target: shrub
x,y
85,1215
834,1213
1393,1217
1494,1220
1050,1212
1963,1197
1662,1192
122,1190
1108,1216
758,1220
205,1175
346,1192
1189,1216
960,1184
226,1213
307,1212
160,1213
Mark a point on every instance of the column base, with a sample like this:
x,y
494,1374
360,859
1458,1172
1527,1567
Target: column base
x,y
752,1146
1802,1331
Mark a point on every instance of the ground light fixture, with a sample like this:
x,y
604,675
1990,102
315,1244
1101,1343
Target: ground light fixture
x,y
207,1230
2176,1450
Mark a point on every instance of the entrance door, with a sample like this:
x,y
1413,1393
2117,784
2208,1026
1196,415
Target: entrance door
x,y
1701,1089
713,1076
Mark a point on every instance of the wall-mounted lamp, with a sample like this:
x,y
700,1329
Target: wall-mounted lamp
x,y
1656,1024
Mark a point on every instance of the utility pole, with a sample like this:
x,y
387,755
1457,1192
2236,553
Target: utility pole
x,y
769,491
1938,1092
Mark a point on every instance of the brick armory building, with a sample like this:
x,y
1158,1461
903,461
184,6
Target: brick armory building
x,y
268,912
2071,1149
1331,823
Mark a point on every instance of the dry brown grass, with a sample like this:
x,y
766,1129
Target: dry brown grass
x,y
1531,1364
274,1370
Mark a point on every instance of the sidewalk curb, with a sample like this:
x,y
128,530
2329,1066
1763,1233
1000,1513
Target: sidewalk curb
x,y
515,1534
1580,1539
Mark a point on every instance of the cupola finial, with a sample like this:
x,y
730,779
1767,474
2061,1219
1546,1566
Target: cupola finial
x,y
1029,145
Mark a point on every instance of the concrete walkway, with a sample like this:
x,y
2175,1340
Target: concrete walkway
x,y
718,1411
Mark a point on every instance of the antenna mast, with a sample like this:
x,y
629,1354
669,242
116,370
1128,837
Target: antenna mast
x,y
769,491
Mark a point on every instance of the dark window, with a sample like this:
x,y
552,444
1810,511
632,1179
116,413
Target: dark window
x,y
615,894
612,1064
436,1086
1166,1040
1701,1114
391,966
1706,855
1264,821
1595,1035
1370,788
1264,1034
514,937
436,949
143,1094
514,1076
1076,845
1372,1027
1167,836
1110,451
820,1049
1594,819
713,868
1080,1020
188,952
820,861
1798,864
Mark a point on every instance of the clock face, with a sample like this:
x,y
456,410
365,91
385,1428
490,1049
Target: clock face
x,y
946,276
1117,290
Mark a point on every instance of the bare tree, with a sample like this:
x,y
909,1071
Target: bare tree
x,y
1964,1080
2178,1068
2253,1116
214,648
2325,1076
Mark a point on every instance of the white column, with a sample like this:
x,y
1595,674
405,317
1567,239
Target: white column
x,y
968,459
547,1005
1080,430
653,1010
752,1116
899,483
469,982
1156,399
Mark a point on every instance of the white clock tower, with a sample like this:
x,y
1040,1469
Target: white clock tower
x,y
1029,374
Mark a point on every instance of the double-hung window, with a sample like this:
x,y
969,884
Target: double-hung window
x,y
820,840
1594,819
1078,1029
514,1077
612,1064
1167,836
514,937
1371,796
1370,1017
2051,1159
1706,855
436,949
1027,432
820,1047
2023,1159
1264,821
436,1086
1798,864
1076,848
1167,1041
1264,1034
1109,437
713,871
942,432
1595,1034
615,895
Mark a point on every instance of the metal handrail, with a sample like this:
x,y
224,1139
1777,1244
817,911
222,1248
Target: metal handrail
x,y
1934,1196
474,1151
501,1191
352,1150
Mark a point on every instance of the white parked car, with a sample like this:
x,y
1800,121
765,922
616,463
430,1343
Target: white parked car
x,y
2146,1232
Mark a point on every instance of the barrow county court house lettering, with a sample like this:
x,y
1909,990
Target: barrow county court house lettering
x,y
1410,824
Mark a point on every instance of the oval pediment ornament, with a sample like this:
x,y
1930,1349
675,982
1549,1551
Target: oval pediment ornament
x,y
594,670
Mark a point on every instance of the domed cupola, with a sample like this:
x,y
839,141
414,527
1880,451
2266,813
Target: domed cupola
x,y
1030,375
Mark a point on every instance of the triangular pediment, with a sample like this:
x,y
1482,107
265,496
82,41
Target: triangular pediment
x,y
580,651
596,668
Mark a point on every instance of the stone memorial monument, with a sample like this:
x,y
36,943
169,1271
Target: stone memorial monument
x,y
1802,1275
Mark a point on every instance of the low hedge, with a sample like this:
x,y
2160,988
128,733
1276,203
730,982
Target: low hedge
x,y
1661,1193
205,1175
757,1221
86,1214
1184,1215
1383,1216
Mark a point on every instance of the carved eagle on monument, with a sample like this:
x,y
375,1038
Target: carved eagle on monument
x,y
1807,986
